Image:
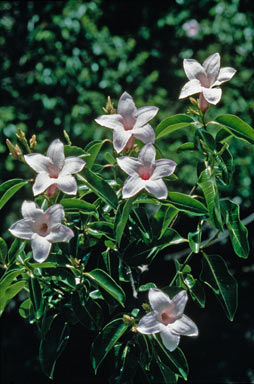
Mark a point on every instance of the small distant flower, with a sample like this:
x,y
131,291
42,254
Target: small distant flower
x,y
54,170
42,228
167,318
128,123
202,79
146,173
191,28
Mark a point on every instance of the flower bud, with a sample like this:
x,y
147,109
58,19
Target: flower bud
x,y
33,141
203,104
109,107
15,151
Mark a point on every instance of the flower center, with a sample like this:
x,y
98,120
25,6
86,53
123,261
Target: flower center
x,y
43,229
144,173
166,318
53,171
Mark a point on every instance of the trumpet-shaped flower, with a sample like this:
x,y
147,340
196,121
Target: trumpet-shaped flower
x,y
146,173
54,170
128,123
203,78
42,228
167,318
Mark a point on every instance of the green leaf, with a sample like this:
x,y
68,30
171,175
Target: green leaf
x,y
194,240
186,204
106,340
216,275
15,250
9,293
209,187
24,309
176,358
71,150
186,147
99,186
225,163
52,346
107,283
196,289
169,376
8,184
11,192
146,287
36,297
122,216
172,124
93,149
236,127
3,251
169,214
81,205
237,231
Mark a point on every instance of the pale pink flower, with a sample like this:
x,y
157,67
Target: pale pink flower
x,y
167,318
191,28
42,228
203,78
54,170
146,173
128,123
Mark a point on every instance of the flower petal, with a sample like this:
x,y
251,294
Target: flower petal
x,y
163,167
145,114
147,154
30,209
130,165
157,188
56,153
225,74
149,324
193,86
212,67
38,162
23,229
67,184
55,214
194,70
42,182
169,339
132,186
145,133
120,138
158,299
184,326
179,301
126,107
41,248
212,95
59,233
72,165
114,121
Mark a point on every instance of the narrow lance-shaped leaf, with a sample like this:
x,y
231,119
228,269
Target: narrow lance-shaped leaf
x,y
237,231
11,192
3,251
237,127
106,340
209,187
78,204
9,293
172,124
36,297
93,149
195,240
216,275
122,216
99,186
186,204
106,282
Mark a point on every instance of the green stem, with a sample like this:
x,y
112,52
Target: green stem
x,y
180,270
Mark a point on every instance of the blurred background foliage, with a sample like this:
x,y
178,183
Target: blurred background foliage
x,y
61,59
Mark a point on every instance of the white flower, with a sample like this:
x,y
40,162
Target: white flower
x,y
54,170
128,123
146,173
42,228
202,79
191,28
167,318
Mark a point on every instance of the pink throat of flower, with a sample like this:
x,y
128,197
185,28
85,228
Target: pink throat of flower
x,y
166,317
43,229
144,173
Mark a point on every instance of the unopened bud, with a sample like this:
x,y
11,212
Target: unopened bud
x,y
109,107
33,141
146,307
67,137
127,319
15,151
21,135
193,101
134,328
